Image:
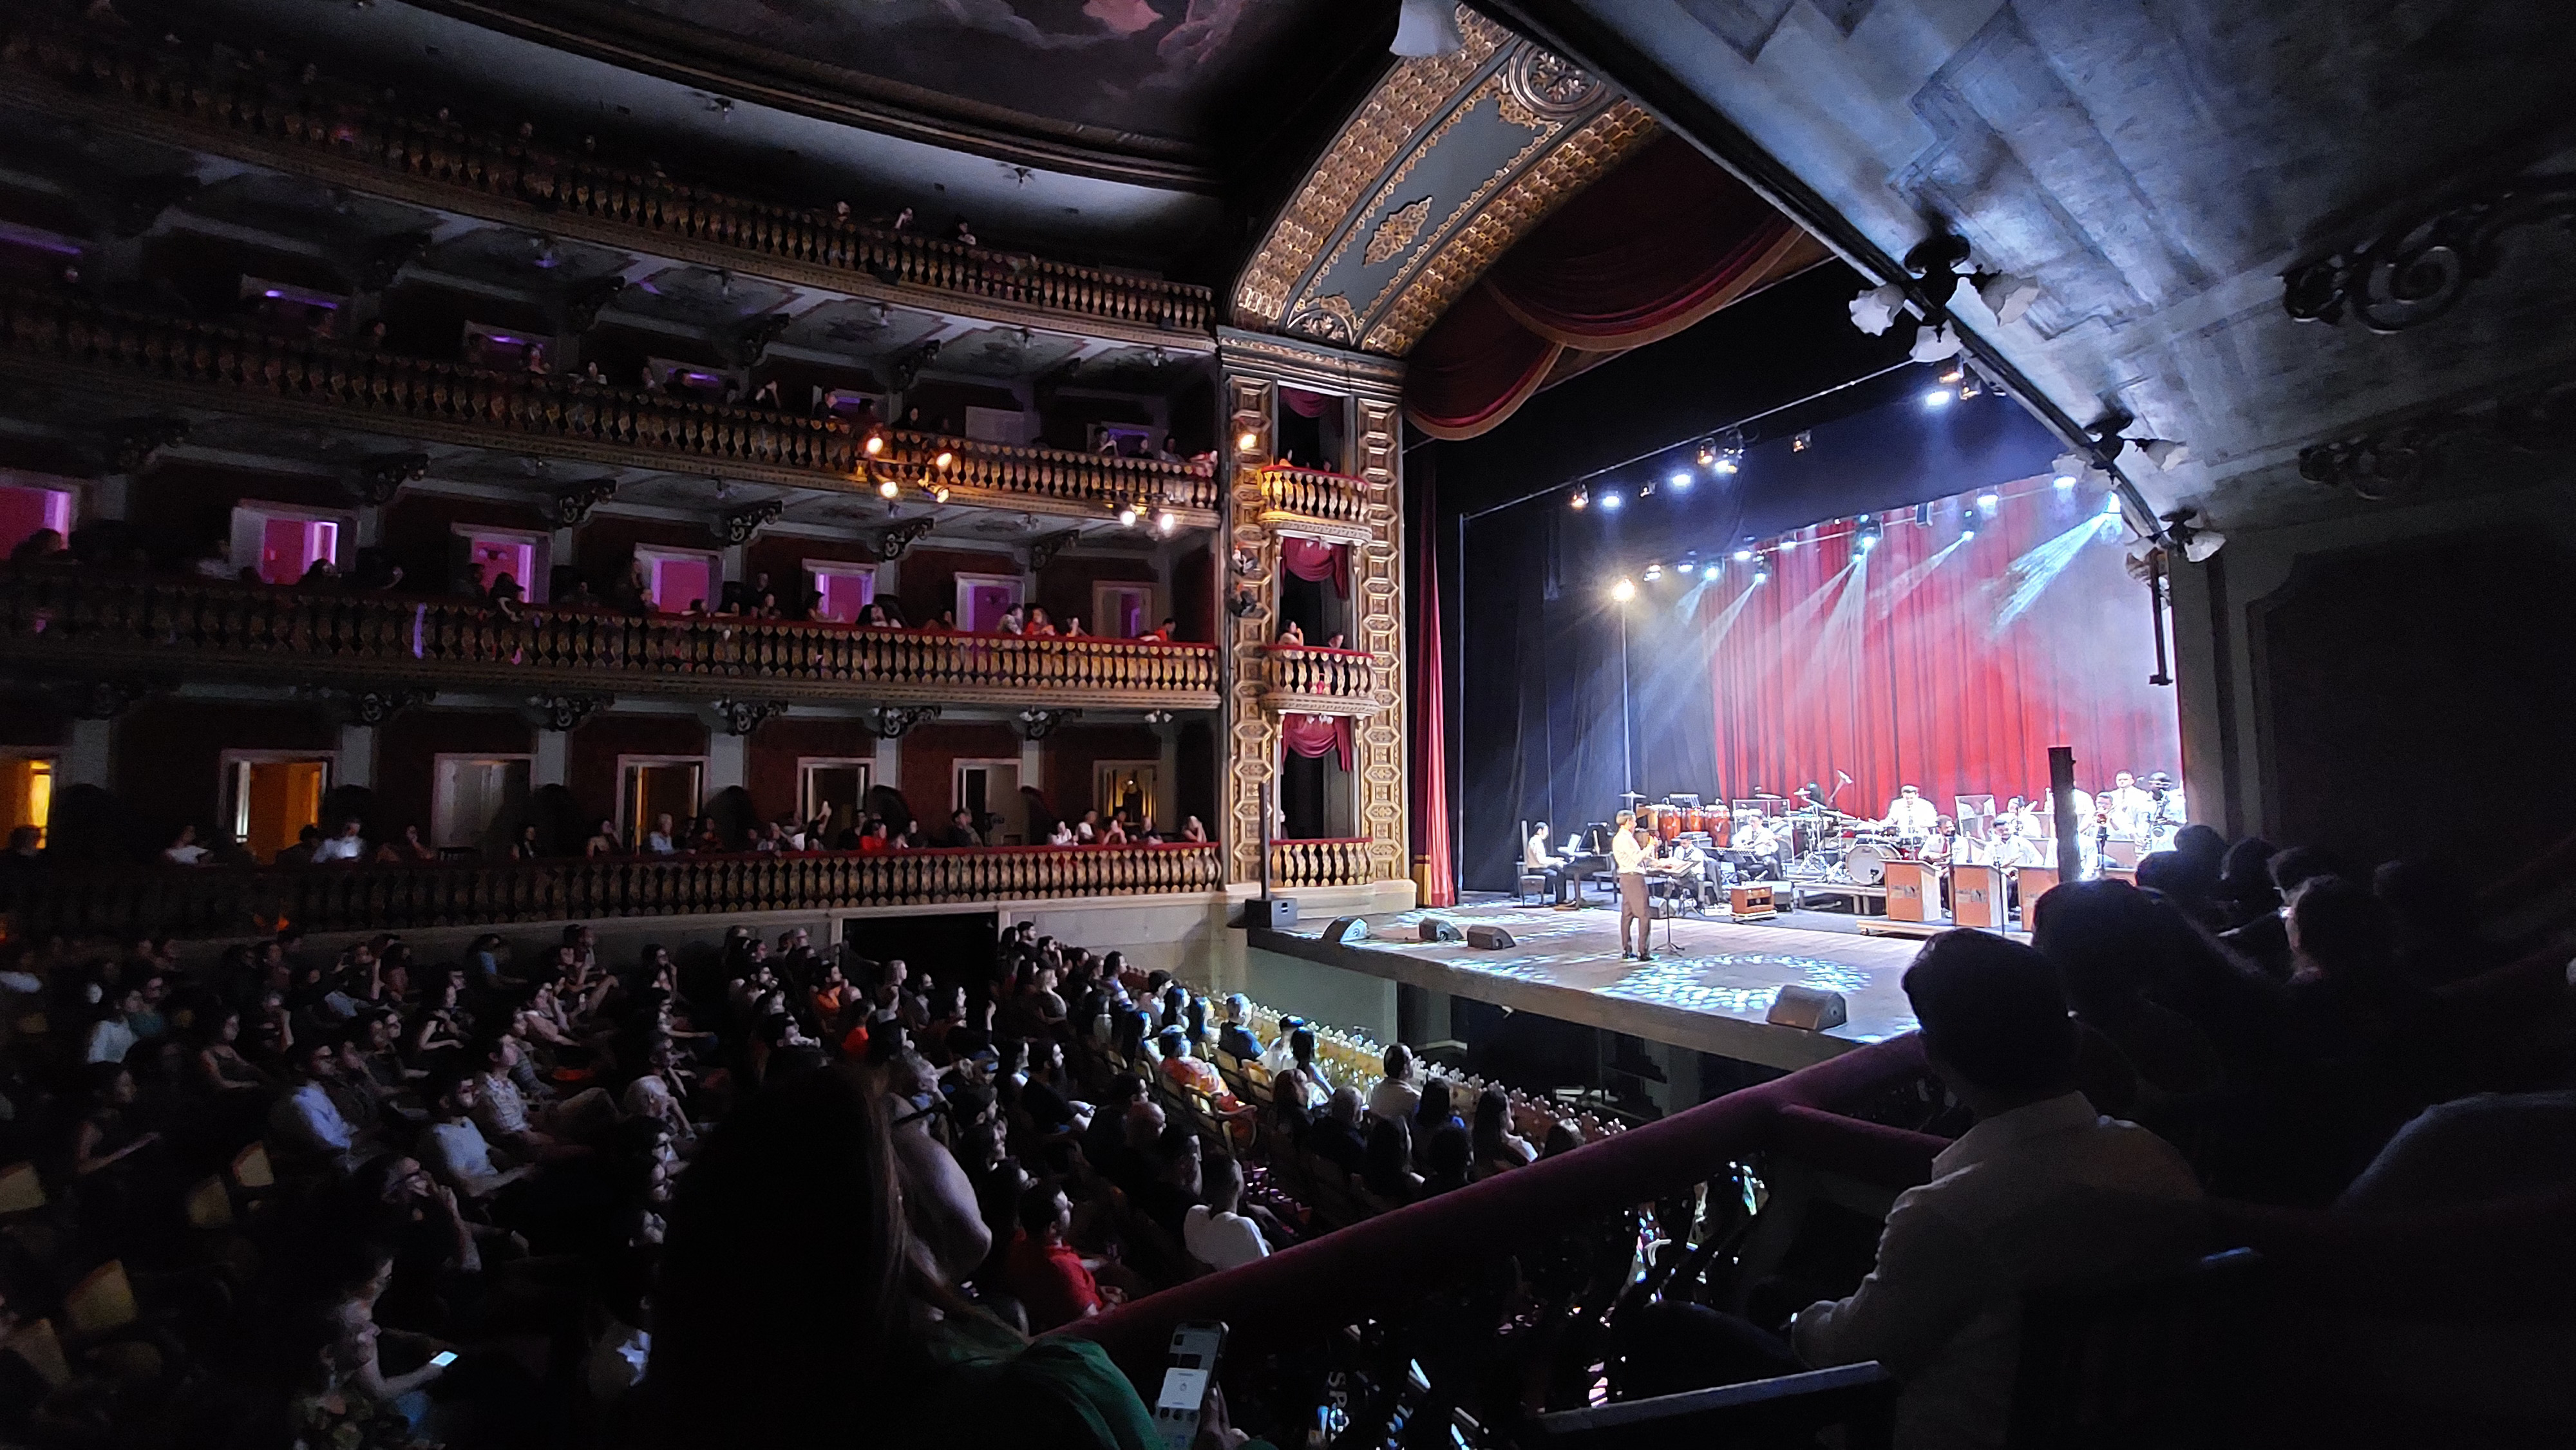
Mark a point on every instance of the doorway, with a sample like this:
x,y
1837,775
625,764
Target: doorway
x,y
656,788
982,600
837,787
26,793
476,800
989,789
274,797
1124,787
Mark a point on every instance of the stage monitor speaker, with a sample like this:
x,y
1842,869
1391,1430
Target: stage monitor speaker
x,y
1435,929
1808,1009
1274,913
1346,928
1489,938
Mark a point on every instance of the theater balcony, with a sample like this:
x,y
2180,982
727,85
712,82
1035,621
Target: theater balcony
x,y
1313,680
1342,861
88,622
268,114
1313,502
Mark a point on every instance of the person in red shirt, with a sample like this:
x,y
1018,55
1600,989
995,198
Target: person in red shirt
x,y
1045,1273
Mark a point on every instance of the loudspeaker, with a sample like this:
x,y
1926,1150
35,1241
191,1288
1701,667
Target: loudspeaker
x,y
1489,938
1273,913
1808,1009
1346,928
1435,929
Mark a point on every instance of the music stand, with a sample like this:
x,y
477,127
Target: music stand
x,y
1975,815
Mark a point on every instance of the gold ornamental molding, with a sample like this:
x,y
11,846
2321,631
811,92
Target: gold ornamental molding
x,y
1378,241
277,119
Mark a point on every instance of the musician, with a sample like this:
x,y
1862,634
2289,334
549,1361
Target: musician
x,y
1630,849
2020,842
1910,813
1754,837
1689,866
2084,809
2165,817
1538,860
2128,807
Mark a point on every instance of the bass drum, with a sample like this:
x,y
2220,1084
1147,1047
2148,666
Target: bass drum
x,y
1865,864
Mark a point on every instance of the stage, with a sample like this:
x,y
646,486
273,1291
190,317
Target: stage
x,y
1710,994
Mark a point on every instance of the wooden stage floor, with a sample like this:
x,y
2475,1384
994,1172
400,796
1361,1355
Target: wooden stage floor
x,y
1709,994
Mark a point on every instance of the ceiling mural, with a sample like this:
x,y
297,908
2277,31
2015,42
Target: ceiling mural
x,y
1186,81
1450,160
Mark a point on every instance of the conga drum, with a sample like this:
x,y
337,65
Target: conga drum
x,y
1668,823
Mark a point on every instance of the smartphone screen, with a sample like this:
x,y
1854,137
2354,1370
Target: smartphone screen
x,y
443,1358
1187,1370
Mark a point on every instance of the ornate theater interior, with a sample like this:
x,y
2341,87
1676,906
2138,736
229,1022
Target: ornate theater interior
x,y
1531,723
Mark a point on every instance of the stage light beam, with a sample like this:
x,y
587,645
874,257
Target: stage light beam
x,y
1938,398
1624,590
1611,501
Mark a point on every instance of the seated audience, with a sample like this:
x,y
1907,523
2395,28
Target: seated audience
x,y
1216,1234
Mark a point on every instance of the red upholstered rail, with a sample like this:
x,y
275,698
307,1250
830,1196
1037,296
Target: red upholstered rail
x,y
1379,1264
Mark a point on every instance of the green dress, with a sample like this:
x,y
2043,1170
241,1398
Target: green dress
x,y
988,1387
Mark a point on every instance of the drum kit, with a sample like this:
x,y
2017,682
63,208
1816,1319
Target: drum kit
x,y
1860,858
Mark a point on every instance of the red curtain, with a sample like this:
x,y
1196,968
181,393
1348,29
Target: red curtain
x,y
1313,736
1946,665
1662,241
1431,716
1315,561
1302,403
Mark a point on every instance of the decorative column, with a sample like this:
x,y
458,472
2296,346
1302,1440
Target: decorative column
x,y
1254,366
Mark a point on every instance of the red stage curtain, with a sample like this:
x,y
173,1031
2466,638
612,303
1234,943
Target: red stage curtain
x,y
1316,561
1661,242
1313,736
1920,668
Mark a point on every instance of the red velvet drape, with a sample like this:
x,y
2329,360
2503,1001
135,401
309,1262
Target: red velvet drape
x,y
1954,673
1313,736
1302,403
1316,561
1659,243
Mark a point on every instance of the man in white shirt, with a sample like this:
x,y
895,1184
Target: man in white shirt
x,y
346,846
1281,1054
1754,835
1910,814
2127,806
1537,860
112,1036
1396,1094
2164,817
659,841
1628,853
306,1124
1214,1233
2042,1193
453,1149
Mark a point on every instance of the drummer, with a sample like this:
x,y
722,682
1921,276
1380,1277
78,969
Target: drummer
x,y
1910,814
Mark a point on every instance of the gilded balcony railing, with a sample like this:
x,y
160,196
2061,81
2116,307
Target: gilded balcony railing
x,y
44,335
218,901
73,616
271,111
1319,681
1337,861
1315,494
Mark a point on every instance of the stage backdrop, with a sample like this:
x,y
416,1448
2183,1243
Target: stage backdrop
x,y
1945,661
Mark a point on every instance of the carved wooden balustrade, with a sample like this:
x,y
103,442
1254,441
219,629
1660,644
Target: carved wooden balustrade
x,y
1311,493
274,116
1312,680
218,901
1336,861
137,355
72,617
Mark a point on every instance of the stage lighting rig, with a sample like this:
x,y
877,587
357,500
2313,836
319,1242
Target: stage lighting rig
x,y
1654,572
1612,500
1725,452
1707,457
1866,535
1582,497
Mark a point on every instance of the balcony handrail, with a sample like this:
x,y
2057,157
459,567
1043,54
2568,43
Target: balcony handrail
x,y
1351,479
547,412
150,620
266,117
1281,647
1384,1263
215,901
1314,493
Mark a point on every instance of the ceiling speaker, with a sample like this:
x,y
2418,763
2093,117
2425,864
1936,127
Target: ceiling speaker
x,y
1809,1009
1489,938
1435,929
1346,929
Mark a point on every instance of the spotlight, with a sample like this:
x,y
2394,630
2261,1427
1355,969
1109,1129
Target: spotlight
x,y
939,493
1127,516
1582,497
1167,521
1680,480
1761,576
1246,441
1623,591
1646,489
1726,463
1799,443
1710,569
2165,453
1788,543
1654,572
1967,533
1938,398
1866,537
889,489
1743,556
1611,501
2110,503
945,461
1708,455
875,444
1955,376
1987,501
